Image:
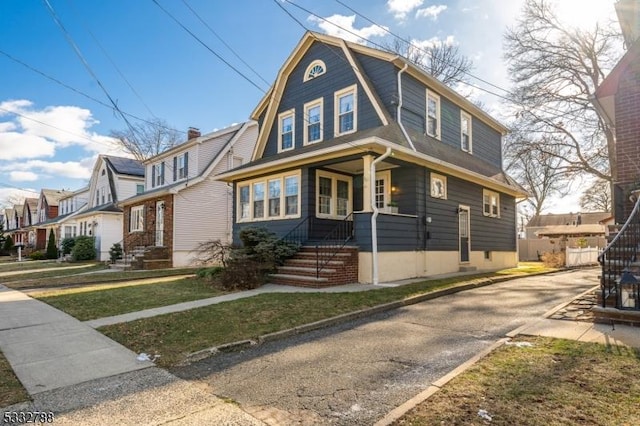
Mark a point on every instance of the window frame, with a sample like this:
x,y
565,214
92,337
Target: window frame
x,y
385,176
463,115
136,212
308,106
350,90
182,171
282,178
282,116
438,134
493,202
334,194
443,179
311,66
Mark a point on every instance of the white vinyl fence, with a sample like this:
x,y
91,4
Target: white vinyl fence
x,y
582,256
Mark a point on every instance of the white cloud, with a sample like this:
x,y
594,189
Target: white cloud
x,y
15,145
431,11
22,176
342,26
10,196
400,8
7,126
69,169
434,41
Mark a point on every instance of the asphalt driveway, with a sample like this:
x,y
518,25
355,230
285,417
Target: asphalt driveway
x,y
356,372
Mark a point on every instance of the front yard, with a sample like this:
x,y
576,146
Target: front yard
x,y
551,382
174,336
11,390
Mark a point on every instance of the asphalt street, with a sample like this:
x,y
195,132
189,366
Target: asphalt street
x,y
355,373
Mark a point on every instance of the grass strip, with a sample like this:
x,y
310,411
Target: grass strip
x,y
553,382
91,303
62,279
11,390
175,335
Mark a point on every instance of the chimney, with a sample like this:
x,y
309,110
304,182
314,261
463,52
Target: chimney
x,y
193,133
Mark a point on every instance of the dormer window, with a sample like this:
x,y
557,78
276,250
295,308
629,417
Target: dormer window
x,y
346,118
315,69
286,131
157,174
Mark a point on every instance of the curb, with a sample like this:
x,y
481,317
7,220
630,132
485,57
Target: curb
x,y
283,334
400,411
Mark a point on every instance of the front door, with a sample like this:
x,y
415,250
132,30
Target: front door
x,y
159,223
464,230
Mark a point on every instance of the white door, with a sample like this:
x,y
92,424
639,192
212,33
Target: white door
x,y
160,223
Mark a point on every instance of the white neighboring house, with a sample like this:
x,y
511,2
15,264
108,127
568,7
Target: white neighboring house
x,y
113,179
183,206
64,224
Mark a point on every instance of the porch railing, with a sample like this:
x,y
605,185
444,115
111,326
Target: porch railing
x,y
618,257
333,242
301,232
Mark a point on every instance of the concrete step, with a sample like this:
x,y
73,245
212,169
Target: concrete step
x,y
311,263
305,271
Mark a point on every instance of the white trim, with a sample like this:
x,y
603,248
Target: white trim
x,y
333,208
265,180
351,90
312,65
283,115
305,137
433,192
137,211
494,201
436,97
466,115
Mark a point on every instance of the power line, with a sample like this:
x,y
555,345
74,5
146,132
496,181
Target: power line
x,y
206,46
79,92
115,66
224,42
17,187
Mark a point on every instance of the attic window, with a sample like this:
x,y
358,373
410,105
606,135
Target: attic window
x,y
102,172
315,69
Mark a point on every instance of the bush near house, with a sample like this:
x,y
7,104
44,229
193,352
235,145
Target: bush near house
x,y
115,252
553,260
84,248
52,249
8,246
245,267
37,255
67,245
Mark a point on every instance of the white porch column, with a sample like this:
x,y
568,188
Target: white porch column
x,y
367,181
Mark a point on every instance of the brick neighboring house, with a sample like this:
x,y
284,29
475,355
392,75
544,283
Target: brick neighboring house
x,y
619,98
47,213
28,232
183,206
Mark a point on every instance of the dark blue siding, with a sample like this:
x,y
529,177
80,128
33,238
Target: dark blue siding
x,y
383,78
395,233
296,93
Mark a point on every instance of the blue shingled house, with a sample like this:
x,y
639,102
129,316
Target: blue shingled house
x,y
377,169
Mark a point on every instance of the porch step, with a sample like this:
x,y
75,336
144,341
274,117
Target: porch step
x,y
301,270
310,263
304,271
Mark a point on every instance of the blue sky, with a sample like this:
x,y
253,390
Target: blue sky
x,y
50,135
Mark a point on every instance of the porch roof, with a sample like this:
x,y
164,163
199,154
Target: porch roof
x,y
105,208
429,152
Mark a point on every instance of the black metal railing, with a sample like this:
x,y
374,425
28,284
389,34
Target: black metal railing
x,y
619,256
333,242
301,232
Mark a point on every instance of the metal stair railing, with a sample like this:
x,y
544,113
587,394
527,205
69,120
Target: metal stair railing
x,y
619,254
333,242
300,233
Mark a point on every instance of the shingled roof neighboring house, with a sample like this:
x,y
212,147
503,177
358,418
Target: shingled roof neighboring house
x,y
569,224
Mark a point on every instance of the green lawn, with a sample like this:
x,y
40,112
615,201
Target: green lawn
x,y
67,278
92,302
11,390
175,335
554,382
31,265
30,279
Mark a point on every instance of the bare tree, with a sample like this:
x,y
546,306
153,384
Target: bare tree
x,y
597,198
148,138
535,170
442,60
555,70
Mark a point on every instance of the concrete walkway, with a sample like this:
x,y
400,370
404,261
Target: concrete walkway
x,y
33,271
49,349
269,288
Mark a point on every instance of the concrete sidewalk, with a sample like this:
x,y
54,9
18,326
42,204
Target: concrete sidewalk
x,y
49,349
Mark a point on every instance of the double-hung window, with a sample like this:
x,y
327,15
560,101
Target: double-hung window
x,y
157,175
333,194
346,111
490,203
466,142
313,122
268,198
286,130
136,219
181,165
433,115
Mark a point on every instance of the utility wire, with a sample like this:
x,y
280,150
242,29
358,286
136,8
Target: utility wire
x,y
225,43
115,66
206,46
77,51
79,92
